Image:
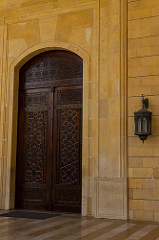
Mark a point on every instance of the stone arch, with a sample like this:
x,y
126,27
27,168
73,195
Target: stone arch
x,y
14,82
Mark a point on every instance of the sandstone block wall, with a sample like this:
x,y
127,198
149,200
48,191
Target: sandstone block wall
x,y
143,78
95,30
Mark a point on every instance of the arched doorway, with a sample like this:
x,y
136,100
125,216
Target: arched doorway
x,y
49,154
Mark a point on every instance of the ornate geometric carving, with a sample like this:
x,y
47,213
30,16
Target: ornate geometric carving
x,y
68,146
52,68
35,147
35,139
68,97
36,99
69,196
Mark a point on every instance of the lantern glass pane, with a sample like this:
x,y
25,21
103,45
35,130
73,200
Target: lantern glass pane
x,y
145,125
139,125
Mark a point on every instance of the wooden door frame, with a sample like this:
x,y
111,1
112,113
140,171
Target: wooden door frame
x,y
14,68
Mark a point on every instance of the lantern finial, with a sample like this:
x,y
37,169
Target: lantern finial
x,y
145,102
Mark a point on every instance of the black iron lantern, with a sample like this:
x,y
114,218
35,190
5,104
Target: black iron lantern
x,y
143,120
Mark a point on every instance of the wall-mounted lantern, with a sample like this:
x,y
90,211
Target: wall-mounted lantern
x,y
143,120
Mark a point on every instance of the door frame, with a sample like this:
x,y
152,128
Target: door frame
x,y
9,201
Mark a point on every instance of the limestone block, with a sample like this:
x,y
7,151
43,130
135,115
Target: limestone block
x,y
114,107
136,204
155,152
93,147
92,128
142,215
22,35
151,162
130,193
93,93
32,2
103,108
47,28
87,38
15,49
62,4
80,2
93,168
139,85
13,12
137,10
143,194
112,88
109,127
9,3
110,198
89,203
151,205
135,183
156,172
140,172
30,7
109,157
135,162
156,216
140,151
138,91
67,21
93,109
151,183
146,27
104,15
156,194
1,14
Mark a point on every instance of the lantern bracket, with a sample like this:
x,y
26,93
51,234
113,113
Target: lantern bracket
x,y
145,102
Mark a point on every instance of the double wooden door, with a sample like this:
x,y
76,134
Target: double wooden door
x,y
49,155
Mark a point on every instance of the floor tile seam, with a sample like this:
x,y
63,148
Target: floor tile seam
x,y
45,226
18,228
86,235
115,231
52,229
132,230
83,221
24,232
77,230
54,233
153,234
14,226
141,232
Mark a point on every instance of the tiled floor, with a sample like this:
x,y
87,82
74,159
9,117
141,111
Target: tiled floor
x,y
73,226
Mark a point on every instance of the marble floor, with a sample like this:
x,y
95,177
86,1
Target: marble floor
x,y
74,226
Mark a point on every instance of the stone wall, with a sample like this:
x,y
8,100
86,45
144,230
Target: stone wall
x,y
96,31
143,78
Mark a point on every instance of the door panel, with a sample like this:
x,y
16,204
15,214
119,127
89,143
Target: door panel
x,y
68,152
32,182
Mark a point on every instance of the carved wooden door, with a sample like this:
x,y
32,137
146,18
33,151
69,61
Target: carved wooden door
x,y
49,154
68,149
33,168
